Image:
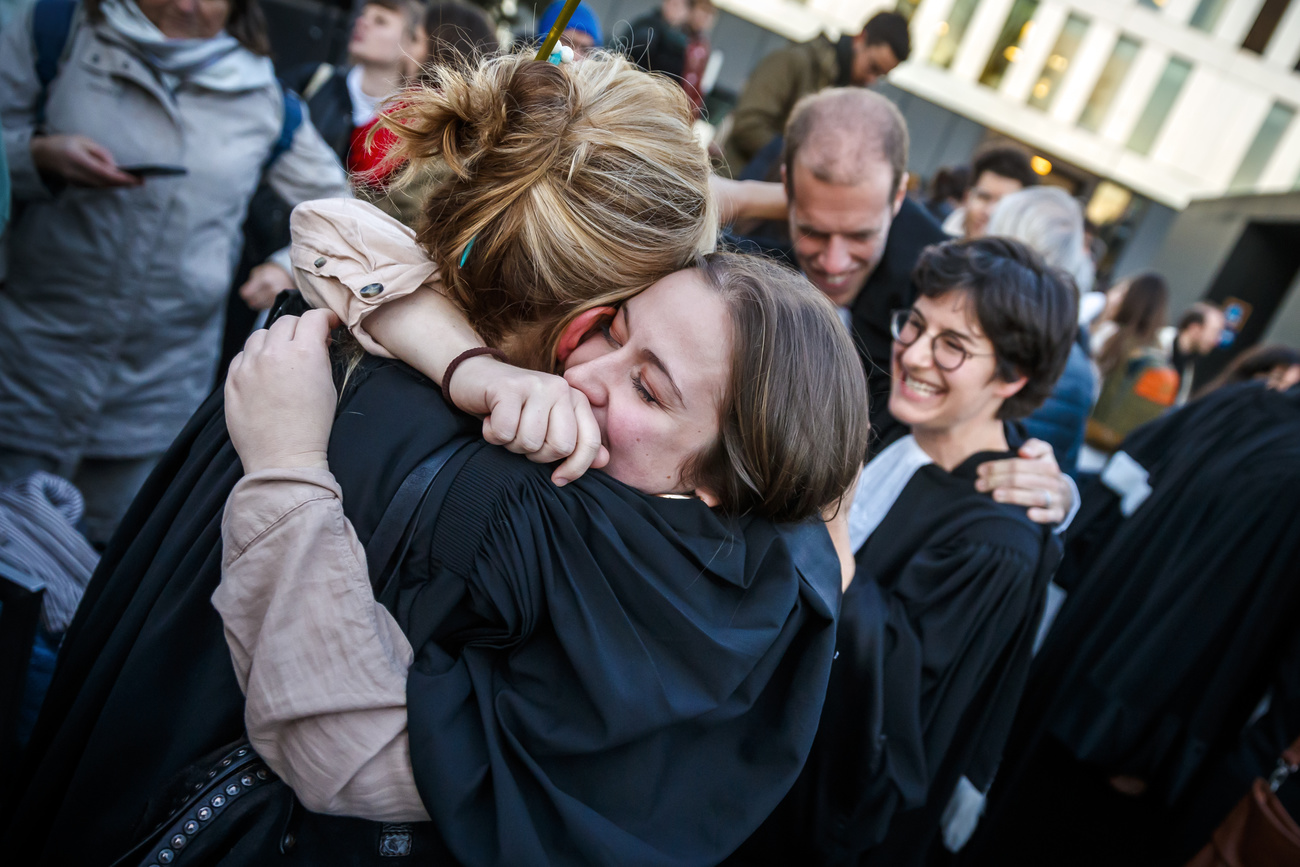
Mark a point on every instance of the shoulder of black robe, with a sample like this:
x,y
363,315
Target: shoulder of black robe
x,y
144,686
1162,648
889,288
640,681
933,649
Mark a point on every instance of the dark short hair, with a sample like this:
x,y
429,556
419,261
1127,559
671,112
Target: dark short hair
x,y
889,28
246,23
1194,315
1007,161
458,33
1027,310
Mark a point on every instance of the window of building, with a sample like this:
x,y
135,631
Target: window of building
x,y
951,32
1007,49
1270,134
1112,76
1153,4
1207,14
1161,103
1265,23
1054,68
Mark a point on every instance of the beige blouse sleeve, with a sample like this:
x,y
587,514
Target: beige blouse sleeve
x,y
323,665
351,257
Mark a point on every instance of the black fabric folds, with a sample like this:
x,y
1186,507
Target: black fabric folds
x,y
932,654
1177,616
601,677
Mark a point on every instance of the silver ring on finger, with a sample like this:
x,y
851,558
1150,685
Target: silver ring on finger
x,y
1048,496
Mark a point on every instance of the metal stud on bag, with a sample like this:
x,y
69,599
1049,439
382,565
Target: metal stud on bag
x,y
1280,774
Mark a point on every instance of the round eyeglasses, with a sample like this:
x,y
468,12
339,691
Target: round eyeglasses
x,y
907,326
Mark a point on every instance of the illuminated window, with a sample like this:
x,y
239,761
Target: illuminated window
x,y
1261,149
1112,76
1008,47
1054,68
1108,203
1207,14
951,32
1161,103
1153,4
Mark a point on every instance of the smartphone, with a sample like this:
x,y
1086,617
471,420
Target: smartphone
x,y
153,170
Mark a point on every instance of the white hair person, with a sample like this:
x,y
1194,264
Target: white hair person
x,y
1050,221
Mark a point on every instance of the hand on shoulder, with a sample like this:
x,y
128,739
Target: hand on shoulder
x,y
280,395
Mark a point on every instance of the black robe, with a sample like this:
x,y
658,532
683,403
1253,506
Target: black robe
x,y
932,654
1176,618
600,676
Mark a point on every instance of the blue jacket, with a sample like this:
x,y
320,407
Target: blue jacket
x,y
1062,417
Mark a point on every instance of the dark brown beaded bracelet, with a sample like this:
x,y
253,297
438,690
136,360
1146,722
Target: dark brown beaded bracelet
x,y
465,356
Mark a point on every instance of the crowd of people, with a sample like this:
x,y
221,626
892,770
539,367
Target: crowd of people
x,y
600,496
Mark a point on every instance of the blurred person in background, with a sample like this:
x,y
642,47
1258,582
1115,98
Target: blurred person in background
x,y
657,40
1198,333
134,168
583,32
994,173
699,24
1050,221
947,189
1276,366
386,46
1137,381
458,33
783,78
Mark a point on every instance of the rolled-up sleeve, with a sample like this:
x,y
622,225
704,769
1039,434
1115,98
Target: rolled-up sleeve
x,y
322,664
351,257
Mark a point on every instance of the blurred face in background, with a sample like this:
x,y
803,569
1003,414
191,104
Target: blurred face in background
x,y
187,19
580,41
870,62
702,18
384,37
676,12
987,191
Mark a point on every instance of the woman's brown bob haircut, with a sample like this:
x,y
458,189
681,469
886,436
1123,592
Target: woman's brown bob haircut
x,y
794,422
1028,310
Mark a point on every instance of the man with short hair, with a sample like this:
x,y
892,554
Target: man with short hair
x,y
783,78
1199,331
854,232
995,173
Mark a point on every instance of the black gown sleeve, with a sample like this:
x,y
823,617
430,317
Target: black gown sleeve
x,y
923,688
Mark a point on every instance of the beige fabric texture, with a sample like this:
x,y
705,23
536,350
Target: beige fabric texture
x,y
322,664
358,247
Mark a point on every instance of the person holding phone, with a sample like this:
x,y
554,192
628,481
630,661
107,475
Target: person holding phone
x,y
134,168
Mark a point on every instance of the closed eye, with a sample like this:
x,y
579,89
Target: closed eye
x,y
639,384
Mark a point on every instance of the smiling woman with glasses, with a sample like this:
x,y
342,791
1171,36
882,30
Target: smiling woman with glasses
x,y
953,578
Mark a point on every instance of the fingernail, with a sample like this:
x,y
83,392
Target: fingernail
x,y
559,483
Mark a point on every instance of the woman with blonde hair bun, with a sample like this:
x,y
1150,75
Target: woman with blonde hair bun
x,y
626,668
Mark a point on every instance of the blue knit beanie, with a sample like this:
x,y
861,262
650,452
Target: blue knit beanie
x,y
583,20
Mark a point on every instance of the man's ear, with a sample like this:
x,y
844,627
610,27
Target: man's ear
x,y
900,193
577,330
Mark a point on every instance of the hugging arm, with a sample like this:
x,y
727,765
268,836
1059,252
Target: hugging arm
x,y
322,665
1032,479
391,303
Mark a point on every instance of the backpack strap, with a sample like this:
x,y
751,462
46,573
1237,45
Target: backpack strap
x,y
293,114
392,537
51,26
